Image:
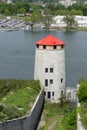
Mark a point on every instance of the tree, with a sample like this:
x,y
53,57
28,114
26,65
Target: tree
x,y
76,12
6,12
21,11
62,12
70,21
47,19
32,19
84,10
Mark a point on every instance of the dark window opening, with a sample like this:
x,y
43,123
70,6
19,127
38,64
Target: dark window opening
x,y
49,95
44,93
61,80
44,47
46,82
46,69
37,46
62,46
52,93
54,47
51,70
61,93
51,81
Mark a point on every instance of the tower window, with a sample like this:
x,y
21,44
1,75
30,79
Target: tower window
x,y
54,47
61,80
61,93
62,46
49,95
44,93
44,47
52,93
37,46
46,82
51,81
51,70
46,70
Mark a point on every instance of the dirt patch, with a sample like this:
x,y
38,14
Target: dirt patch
x,y
51,127
42,122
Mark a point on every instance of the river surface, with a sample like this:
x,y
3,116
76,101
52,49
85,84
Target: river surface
x,y
17,50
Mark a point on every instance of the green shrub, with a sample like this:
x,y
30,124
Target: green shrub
x,y
3,117
83,113
70,121
82,92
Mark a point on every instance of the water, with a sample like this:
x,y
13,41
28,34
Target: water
x,y
17,50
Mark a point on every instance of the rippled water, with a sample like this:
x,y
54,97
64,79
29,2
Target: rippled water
x,y
17,50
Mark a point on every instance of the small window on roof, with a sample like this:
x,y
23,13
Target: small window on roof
x,y
44,47
37,46
62,46
54,47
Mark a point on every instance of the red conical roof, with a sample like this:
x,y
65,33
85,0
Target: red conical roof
x,y
50,41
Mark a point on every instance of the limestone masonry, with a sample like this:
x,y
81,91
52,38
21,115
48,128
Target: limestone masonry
x,y
50,67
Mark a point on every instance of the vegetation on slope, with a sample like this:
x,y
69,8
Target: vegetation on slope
x,y
58,117
82,95
70,121
17,97
83,112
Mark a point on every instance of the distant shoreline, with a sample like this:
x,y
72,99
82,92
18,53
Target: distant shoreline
x,y
17,29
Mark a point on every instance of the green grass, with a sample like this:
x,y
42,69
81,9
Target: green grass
x,y
17,97
20,99
83,112
53,115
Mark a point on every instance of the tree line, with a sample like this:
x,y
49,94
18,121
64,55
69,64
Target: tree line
x,y
44,15
29,7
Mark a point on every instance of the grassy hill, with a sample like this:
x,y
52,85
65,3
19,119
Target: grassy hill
x,y
17,97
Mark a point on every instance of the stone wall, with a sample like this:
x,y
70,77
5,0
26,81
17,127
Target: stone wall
x,y
54,59
29,122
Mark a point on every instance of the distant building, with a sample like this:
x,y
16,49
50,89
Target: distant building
x,y
67,3
9,1
59,23
3,1
85,2
6,1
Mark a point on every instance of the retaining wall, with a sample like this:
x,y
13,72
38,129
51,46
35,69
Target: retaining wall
x,y
29,122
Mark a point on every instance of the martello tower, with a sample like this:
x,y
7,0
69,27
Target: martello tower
x,y
50,67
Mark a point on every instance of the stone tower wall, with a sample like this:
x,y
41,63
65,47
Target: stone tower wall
x,y
51,59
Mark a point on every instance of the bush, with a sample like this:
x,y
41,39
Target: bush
x,y
70,121
83,113
82,92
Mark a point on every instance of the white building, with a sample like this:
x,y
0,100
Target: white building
x,y
67,3
71,94
82,21
9,1
59,23
50,67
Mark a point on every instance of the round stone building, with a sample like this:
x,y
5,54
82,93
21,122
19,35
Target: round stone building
x,y
50,67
